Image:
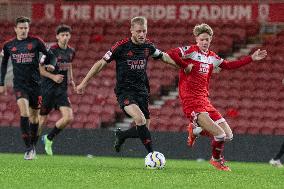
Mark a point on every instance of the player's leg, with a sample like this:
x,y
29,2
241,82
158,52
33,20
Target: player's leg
x,y
23,105
228,131
67,118
121,136
33,118
35,101
47,105
276,160
217,144
143,132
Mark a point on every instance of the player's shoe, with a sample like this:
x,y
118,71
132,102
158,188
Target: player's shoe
x,y
47,145
276,163
219,164
34,153
191,137
28,154
118,140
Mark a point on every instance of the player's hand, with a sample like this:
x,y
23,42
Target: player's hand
x,y
80,89
3,90
259,54
188,69
49,68
58,78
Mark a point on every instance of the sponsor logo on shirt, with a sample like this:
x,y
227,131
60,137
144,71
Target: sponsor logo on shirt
x,y
25,58
63,66
136,64
204,68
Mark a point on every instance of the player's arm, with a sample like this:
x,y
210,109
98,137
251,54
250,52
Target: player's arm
x,y
4,66
71,77
257,55
57,78
48,55
175,54
168,60
97,67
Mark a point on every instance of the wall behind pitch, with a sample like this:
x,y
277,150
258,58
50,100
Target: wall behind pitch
x,y
99,142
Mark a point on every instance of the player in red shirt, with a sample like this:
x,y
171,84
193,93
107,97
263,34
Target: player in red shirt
x,y
193,90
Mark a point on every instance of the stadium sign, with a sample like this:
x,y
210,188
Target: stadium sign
x,y
179,11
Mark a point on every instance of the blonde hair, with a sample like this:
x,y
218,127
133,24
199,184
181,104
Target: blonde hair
x,y
202,28
141,20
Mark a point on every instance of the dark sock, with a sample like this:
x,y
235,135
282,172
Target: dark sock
x,y
217,148
145,136
55,131
26,133
280,153
129,133
34,131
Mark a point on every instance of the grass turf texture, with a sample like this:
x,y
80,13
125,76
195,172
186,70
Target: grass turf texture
x,y
107,172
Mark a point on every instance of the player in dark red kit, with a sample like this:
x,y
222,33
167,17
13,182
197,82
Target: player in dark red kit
x,y
55,84
132,86
24,53
193,90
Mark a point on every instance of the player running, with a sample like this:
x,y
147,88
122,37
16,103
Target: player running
x,y
193,90
132,86
24,53
55,85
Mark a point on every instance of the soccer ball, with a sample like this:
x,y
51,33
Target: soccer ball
x,y
155,160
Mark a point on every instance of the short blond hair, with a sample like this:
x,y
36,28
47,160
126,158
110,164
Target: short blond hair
x,y
202,28
141,20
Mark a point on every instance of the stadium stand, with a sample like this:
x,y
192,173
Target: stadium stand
x,y
248,97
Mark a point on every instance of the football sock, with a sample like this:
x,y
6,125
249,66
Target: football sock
x,y
55,131
25,128
280,153
34,135
217,146
129,133
145,136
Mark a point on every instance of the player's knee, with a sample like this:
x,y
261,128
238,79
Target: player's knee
x,y
42,120
33,118
220,137
229,137
68,119
140,120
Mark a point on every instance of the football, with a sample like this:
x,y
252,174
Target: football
x,y
155,160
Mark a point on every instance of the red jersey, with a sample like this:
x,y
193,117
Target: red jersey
x,y
194,87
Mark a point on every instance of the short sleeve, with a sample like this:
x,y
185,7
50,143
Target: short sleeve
x,y
112,53
216,60
154,52
42,46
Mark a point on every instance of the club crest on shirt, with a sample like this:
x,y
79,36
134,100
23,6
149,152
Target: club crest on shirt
x,y
14,49
126,102
130,54
30,46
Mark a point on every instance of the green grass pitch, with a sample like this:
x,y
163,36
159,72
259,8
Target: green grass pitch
x,y
124,173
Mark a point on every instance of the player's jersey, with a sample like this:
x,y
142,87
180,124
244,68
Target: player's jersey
x,y
193,88
131,63
25,60
64,58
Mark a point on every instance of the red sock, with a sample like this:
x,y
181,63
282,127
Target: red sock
x,y
217,148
